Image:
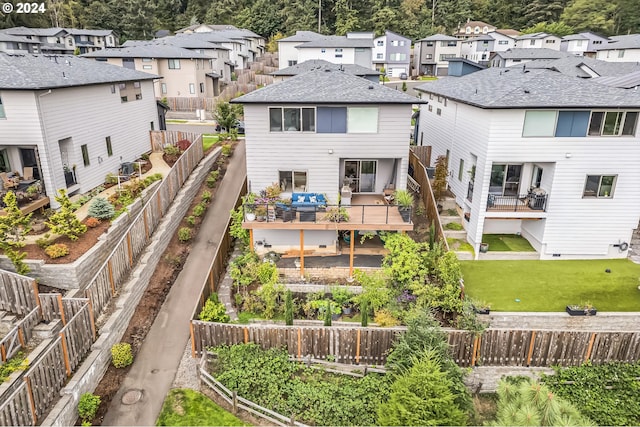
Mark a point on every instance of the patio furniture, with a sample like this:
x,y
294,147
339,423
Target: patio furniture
x,y
27,173
307,213
308,200
9,182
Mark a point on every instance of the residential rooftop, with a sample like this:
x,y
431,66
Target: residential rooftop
x,y
631,41
326,86
42,71
627,81
502,88
149,50
479,38
534,36
302,36
53,31
186,41
337,42
438,37
315,64
527,53
585,67
508,32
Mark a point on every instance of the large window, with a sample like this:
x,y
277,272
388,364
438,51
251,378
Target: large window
x,y
109,146
293,181
599,186
362,120
2,114
332,119
539,123
572,123
613,123
292,119
85,154
174,64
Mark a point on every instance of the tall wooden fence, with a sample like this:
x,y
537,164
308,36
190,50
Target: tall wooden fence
x,y
494,347
429,200
18,294
162,138
17,338
423,153
116,268
191,103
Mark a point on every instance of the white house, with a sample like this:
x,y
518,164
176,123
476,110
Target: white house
x,y
287,52
504,39
538,41
315,134
252,44
583,44
473,29
518,56
477,49
620,49
354,48
431,54
71,119
550,156
393,53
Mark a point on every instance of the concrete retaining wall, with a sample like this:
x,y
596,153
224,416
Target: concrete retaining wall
x,y
485,379
89,374
333,273
603,321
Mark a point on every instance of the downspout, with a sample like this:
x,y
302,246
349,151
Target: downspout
x,y
53,189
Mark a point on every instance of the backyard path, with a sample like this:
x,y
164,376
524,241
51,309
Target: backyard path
x,y
157,361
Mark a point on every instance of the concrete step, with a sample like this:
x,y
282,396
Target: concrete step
x,y
461,234
449,219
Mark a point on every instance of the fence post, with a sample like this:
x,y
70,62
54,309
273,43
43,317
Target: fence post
x,y
299,343
234,402
193,341
146,225
34,283
92,319
21,336
3,353
65,353
32,404
62,316
292,421
590,348
530,353
358,347
246,335
473,354
113,286
130,249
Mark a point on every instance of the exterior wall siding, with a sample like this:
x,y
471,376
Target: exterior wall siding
x,y
613,55
348,55
287,52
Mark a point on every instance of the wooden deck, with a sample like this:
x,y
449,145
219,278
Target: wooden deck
x,y
367,212
33,206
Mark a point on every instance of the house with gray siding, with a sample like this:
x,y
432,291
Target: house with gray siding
x,y
393,53
431,55
317,64
538,41
583,44
550,156
64,40
519,56
71,119
326,132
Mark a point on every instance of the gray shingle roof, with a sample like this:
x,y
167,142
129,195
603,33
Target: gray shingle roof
x,y
532,53
508,32
626,81
6,37
336,41
302,36
631,41
326,87
480,38
82,32
574,37
34,72
150,50
313,64
515,88
438,37
184,41
533,36
572,66
24,31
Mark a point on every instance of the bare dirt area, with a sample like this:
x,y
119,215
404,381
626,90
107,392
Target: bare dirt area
x,y
166,272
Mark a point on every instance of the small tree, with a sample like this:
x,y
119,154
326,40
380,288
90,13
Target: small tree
x,y
226,114
101,208
13,227
440,178
364,313
288,308
65,221
88,406
404,86
327,314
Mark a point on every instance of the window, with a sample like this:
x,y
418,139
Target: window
x,y
380,43
332,119
2,114
122,86
536,176
338,55
174,64
394,43
446,56
503,42
452,43
201,87
113,88
549,41
291,63
429,44
539,123
146,59
572,123
85,154
532,42
599,186
359,49
439,111
124,99
192,88
292,119
163,88
460,169
440,98
613,123
428,56
476,30
291,181
430,108
379,55
401,43
398,56
136,85
138,96
152,125
147,67
362,119
467,30
621,54
109,147
597,41
579,43
339,49
323,50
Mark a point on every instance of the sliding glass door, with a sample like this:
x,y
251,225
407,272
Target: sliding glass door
x,y
505,179
361,175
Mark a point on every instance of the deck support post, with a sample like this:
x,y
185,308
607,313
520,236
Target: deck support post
x,y
302,254
351,243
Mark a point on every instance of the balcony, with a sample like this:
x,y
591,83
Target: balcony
x,y
366,213
533,201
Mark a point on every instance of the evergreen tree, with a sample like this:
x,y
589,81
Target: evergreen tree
x,y
101,208
65,221
592,15
422,396
346,17
288,308
364,313
327,314
263,17
544,11
13,227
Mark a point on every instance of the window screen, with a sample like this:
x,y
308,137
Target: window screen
x,y
572,123
308,120
331,120
539,123
630,121
362,120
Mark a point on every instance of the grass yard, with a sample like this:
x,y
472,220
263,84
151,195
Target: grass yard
x,y
507,243
208,140
185,407
552,285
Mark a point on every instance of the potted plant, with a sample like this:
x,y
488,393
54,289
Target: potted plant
x,y
484,247
249,202
404,200
261,212
585,309
481,307
342,297
337,214
33,191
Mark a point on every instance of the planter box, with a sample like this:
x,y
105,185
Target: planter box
x,y
405,213
574,311
482,310
484,247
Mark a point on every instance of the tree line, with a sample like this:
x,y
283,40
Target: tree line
x,y
139,19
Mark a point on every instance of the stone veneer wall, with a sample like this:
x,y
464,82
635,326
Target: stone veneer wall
x,y
92,370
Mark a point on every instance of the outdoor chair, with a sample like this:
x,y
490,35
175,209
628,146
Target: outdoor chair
x,y
27,173
8,183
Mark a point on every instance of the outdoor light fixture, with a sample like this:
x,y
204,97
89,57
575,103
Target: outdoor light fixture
x,y
330,150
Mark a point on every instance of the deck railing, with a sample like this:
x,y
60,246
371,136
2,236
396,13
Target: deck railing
x,y
523,203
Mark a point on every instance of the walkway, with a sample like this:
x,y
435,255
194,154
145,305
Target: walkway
x,y
157,361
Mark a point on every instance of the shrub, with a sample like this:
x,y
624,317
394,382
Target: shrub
x,y
65,221
184,234
227,150
110,179
454,226
198,210
44,241
92,222
214,310
364,313
236,230
385,318
288,308
121,355
56,251
150,179
101,208
191,220
88,406
267,273
206,196
327,314
171,150
213,178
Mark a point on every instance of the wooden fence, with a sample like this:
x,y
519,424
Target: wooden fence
x,y
115,270
18,294
494,347
423,153
191,103
162,138
429,200
18,337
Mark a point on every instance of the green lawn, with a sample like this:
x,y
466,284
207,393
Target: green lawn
x,y
185,407
552,285
208,141
176,121
507,242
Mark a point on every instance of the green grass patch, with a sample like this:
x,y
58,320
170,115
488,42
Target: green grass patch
x,y
507,243
185,407
459,245
456,226
552,285
177,121
427,78
209,141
